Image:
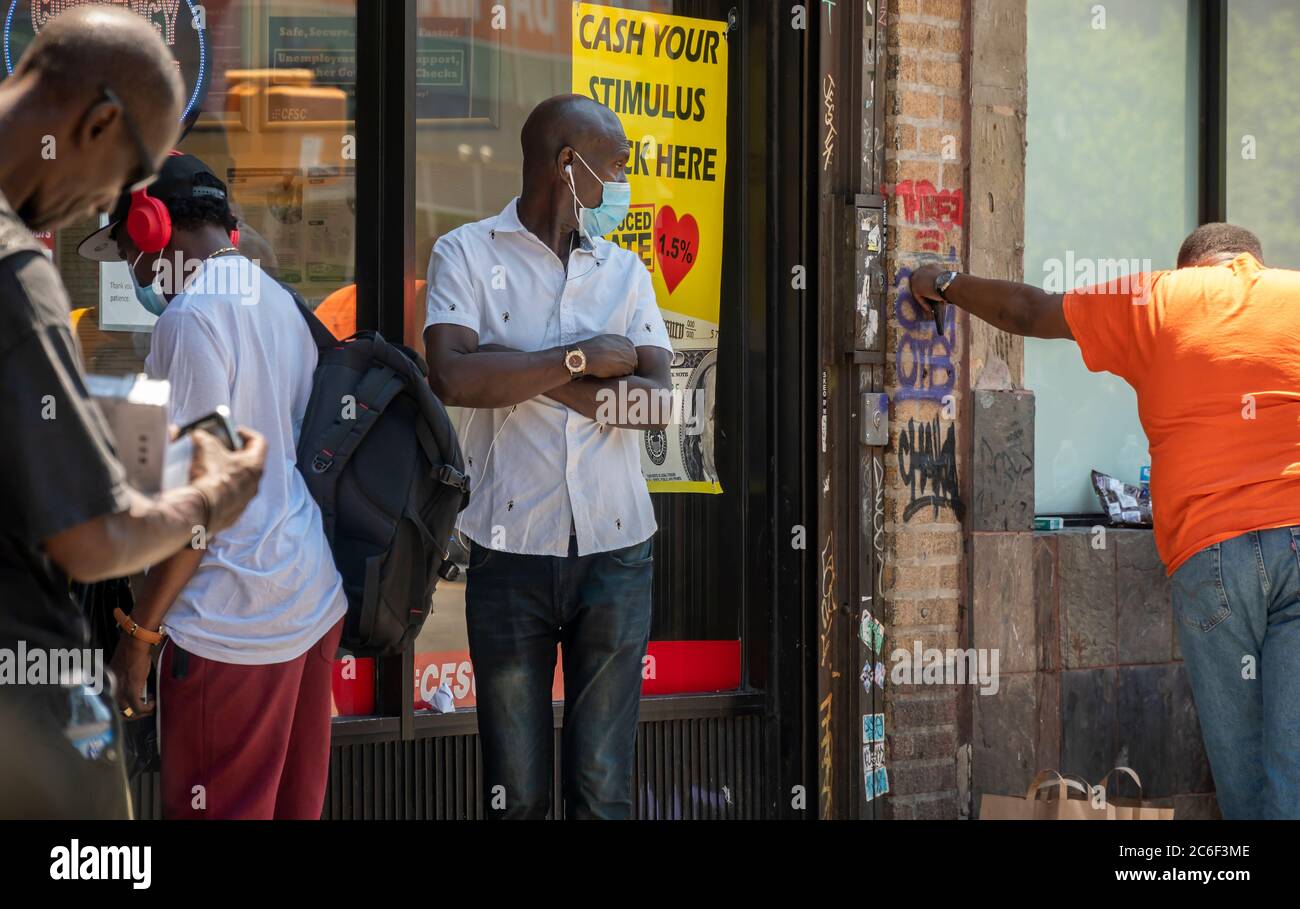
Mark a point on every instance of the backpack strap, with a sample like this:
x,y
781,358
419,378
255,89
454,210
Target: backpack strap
x,y
444,472
376,392
323,337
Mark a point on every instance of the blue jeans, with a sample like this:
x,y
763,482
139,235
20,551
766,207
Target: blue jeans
x,y
517,609
1238,609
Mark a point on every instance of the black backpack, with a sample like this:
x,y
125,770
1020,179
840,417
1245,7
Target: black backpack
x,y
381,458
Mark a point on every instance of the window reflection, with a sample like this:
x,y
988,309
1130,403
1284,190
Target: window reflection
x,y
1263,141
272,94
1110,176
476,85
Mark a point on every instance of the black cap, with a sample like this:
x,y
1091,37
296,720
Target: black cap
x,y
183,177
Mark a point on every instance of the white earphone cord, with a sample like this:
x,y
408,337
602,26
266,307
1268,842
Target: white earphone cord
x,y
460,537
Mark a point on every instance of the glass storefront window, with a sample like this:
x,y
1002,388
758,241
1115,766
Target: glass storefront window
x,y
1110,188
273,99
1263,141
271,88
476,86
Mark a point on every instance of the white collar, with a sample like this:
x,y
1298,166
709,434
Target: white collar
x,y
508,222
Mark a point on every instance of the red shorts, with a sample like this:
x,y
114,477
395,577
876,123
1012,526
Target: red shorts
x,y
245,742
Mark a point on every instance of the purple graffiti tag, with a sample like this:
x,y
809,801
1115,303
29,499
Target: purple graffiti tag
x,y
924,358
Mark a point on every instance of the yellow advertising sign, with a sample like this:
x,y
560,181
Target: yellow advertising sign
x,y
666,79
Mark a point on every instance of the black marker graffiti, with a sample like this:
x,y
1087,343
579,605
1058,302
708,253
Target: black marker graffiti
x,y
928,467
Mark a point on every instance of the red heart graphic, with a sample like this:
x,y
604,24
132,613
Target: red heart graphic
x,y
677,244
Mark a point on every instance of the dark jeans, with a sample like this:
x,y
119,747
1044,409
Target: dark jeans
x,y
517,609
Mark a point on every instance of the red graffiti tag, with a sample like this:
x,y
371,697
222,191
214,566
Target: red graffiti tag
x,y
931,240
925,205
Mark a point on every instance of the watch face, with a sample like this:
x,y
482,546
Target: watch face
x,y
576,361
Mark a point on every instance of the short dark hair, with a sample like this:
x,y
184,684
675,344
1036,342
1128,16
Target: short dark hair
x,y
191,214
1212,239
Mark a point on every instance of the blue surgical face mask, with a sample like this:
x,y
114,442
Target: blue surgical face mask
x,y
149,295
614,202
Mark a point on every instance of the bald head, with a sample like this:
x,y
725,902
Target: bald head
x,y
92,108
567,120
91,46
572,147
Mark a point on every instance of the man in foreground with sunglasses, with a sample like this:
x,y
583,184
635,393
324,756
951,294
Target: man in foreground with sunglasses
x,y
91,109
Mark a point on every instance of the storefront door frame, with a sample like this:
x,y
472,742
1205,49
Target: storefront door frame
x,y
846,105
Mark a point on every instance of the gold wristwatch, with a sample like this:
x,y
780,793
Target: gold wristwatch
x,y
576,362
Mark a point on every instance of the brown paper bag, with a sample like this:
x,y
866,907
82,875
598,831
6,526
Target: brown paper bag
x,y
1127,809
1071,802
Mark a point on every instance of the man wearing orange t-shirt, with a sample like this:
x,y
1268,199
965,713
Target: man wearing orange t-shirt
x,y
1213,352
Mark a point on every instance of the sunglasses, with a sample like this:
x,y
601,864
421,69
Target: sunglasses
x,y
145,170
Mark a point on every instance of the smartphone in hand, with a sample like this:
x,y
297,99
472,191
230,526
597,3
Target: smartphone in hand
x,y
219,424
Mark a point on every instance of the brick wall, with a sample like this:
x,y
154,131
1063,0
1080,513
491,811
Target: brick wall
x,y
922,572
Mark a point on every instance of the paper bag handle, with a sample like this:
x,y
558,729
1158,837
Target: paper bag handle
x,y
1083,786
1061,783
1132,774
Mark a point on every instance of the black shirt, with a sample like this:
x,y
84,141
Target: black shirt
x,y
58,468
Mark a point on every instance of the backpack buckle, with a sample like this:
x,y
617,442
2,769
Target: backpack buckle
x,y
452,477
321,463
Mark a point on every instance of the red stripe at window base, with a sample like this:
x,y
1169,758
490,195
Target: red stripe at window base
x,y
689,667
353,684
670,667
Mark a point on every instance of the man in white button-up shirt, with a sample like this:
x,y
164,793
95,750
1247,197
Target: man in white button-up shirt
x,y
551,337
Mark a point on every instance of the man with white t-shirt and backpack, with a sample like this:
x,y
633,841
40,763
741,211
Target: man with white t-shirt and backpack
x,y
249,620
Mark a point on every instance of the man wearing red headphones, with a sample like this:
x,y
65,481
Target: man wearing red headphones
x,y
249,623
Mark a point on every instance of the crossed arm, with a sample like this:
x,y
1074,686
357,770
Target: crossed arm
x,y
466,374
